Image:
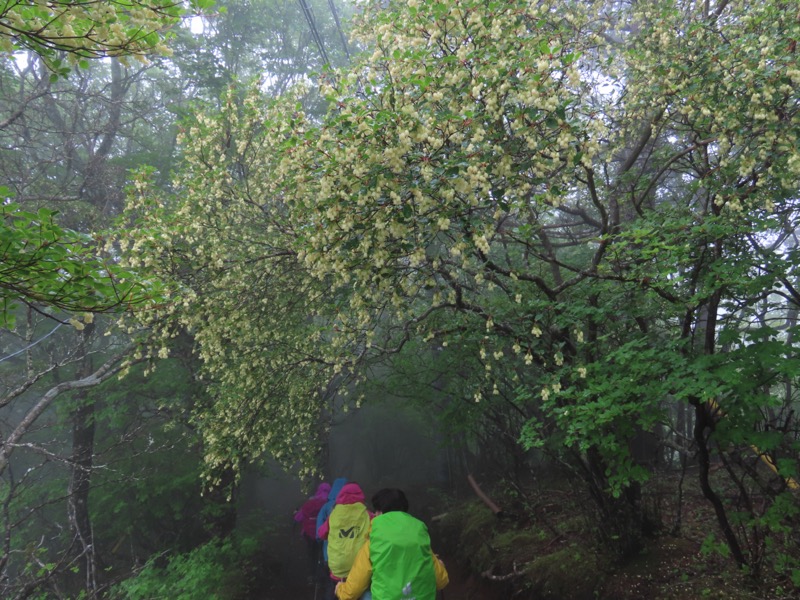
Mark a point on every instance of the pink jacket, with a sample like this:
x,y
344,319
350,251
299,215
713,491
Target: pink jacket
x,y
307,515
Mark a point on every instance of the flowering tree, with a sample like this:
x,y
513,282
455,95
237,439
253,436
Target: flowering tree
x,y
77,31
595,201
256,316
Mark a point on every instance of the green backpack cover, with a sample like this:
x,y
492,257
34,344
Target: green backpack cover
x,y
402,564
348,530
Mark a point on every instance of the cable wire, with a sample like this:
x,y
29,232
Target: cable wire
x,y
339,28
314,31
29,346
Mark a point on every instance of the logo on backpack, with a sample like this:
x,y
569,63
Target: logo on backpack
x,y
407,591
349,533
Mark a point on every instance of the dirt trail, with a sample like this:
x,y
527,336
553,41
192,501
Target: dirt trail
x,y
288,581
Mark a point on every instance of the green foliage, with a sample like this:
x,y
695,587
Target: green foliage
x,y
528,556
781,520
214,570
468,528
713,545
45,265
575,570
153,495
70,32
242,41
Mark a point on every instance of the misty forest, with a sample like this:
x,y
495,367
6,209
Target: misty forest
x,y
532,261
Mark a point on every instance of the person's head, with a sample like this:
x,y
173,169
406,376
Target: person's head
x,y
323,489
389,500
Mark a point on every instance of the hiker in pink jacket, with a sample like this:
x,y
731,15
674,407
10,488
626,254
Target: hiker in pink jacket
x,y
307,517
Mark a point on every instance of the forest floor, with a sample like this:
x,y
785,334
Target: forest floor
x,y
551,552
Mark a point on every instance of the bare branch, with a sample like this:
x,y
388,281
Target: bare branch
x,y
109,369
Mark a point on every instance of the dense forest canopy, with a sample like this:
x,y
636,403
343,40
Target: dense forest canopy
x,y
562,227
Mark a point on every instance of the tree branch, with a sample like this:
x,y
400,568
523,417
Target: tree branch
x,y
108,370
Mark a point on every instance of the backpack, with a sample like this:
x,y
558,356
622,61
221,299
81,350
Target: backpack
x,y
402,563
348,530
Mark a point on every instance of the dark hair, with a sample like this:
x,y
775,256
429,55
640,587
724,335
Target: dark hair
x,y
390,500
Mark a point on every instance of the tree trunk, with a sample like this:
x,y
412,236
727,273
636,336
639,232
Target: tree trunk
x,y
80,483
621,520
702,421
83,429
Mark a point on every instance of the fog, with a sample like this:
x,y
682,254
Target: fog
x,y
377,446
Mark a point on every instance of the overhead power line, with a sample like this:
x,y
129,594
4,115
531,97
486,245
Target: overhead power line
x,y
339,28
41,339
314,31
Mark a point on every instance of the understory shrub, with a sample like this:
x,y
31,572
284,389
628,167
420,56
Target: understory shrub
x,y
217,570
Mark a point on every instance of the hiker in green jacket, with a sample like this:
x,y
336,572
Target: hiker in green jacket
x,y
396,562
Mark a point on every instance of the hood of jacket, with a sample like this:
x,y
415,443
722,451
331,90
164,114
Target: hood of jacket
x,y
350,494
322,491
